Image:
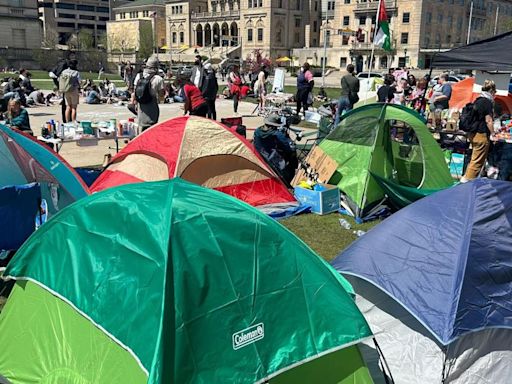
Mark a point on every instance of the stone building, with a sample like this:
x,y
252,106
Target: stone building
x,y
21,27
67,18
419,29
235,28
138,29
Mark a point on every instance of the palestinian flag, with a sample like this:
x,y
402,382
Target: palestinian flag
x,y
383,37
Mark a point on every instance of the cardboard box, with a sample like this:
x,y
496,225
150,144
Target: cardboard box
x,y
321,202
318,162
451,126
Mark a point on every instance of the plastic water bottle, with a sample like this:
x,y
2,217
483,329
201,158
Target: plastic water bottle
x,y
359,233
345,224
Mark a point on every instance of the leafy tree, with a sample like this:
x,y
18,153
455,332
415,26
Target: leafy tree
x,y
85,40
255,60
146,41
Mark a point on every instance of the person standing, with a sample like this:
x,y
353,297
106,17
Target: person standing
x,y
480,130
261,85
149,87
197,72
54,74
195,104
128,76
101,69
305,85
209,90
442,96
349,91
235,86
385,94
69,85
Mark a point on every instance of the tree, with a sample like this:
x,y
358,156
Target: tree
x,y
85,40
145,41
255,60
51,38
102,41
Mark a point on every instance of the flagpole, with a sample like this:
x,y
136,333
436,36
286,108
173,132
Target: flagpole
x,y
373,51
469,26
496,22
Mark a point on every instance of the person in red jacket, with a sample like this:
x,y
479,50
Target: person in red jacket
x,y
195,104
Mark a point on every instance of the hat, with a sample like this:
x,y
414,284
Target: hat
x,y
152,62
273,120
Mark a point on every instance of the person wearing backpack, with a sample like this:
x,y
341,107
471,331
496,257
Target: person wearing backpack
x,y
477,120
349,93
149,87
69,86
209,90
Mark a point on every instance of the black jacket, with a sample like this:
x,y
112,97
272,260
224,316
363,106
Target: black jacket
x,y
209,87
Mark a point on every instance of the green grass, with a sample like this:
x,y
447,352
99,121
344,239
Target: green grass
x,y
324,234
47,85
37,74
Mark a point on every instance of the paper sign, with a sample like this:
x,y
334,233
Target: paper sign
x,y
318,162
278,85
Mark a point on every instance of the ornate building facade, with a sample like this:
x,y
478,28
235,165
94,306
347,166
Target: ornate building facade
x,y
419,29
238,27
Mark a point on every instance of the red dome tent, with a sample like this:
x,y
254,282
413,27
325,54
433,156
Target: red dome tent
x,y
201,151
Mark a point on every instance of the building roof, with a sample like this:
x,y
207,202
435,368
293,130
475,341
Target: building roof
x,y
142,3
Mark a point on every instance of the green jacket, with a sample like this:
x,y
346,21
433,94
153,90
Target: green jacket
x,y
21,121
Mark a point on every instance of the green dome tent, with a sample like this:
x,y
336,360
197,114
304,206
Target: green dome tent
x,y
385,150
169,282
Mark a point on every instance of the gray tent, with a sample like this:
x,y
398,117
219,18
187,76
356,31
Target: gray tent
x,y
414,356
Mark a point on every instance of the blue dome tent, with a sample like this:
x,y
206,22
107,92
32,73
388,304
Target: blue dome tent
x,y
435,283
31,170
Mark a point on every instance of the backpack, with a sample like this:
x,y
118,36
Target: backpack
x,y
68,80
468,117
143,90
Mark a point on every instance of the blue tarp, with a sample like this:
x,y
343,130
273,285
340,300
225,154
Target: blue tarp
x,y
18,209
446,258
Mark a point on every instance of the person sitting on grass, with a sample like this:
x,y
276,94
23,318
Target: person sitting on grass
x,y
17,117
93,96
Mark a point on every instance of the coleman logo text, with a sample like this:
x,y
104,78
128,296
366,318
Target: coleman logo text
x,y
248,336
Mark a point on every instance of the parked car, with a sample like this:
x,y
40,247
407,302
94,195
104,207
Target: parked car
x,y
364,75
451,79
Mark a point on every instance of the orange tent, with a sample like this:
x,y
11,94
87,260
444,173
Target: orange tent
x,y
462,93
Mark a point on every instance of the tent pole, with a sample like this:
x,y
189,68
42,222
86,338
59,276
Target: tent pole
x,y
496,21
469,26
373,51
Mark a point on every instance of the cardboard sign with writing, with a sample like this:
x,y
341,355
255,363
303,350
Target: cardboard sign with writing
x,y
319,162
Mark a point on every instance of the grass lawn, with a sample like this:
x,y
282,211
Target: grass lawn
x,y
37,74
324,234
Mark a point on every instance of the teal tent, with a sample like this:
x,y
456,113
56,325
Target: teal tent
x,y
170,282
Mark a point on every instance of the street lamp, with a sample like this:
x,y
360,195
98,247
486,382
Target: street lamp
x,y
405,58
